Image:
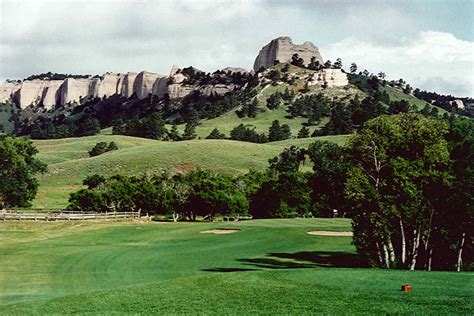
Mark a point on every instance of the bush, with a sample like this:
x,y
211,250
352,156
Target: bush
x,y
102,147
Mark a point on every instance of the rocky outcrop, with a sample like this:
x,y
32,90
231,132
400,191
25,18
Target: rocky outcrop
x,y
127,84
330,78
72,90
144,82
51,93
218,89
177,91
109,85
30,92
160,87
8,91
282,49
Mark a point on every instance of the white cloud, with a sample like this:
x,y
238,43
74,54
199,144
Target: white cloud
x,y
430,60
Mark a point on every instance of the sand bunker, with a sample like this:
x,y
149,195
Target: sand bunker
x,y
328,233
221,231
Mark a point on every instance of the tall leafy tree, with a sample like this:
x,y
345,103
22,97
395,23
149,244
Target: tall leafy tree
x,y
396,161
18,168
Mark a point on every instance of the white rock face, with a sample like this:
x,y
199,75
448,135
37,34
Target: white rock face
x,y
30,92
143,85
160,87
109,85
51,93
458,103
333,78
177,91
128,83
93,90
282,49
219,89
72,90
8,90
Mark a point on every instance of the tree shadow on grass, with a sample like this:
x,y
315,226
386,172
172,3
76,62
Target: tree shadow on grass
x,y
299,260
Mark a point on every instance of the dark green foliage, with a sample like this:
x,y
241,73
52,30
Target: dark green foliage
x,y
148,127
340,121
330,165
399,185
189,131
198,193
248,109
173,133
277,132
18,168
363,111
55,76
337,64
353,68
215,134
397,107
314,64
274,101
303,132
297,60
314,107
283,190
288,161
102,147
247,134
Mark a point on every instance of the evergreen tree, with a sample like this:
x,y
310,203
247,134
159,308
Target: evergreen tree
x,y
303,132
173,133
215,134
189,131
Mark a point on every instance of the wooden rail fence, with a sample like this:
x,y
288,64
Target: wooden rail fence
x,y
63,215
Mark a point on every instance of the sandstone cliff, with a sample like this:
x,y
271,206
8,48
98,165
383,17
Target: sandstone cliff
x,y
282,49
51,93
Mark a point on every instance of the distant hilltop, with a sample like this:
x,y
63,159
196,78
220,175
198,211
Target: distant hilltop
x,y
282,50
49,92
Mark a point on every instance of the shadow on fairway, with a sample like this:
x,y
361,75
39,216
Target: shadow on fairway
x,y
298,260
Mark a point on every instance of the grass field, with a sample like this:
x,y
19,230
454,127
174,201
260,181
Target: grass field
x,y
69,163
270,266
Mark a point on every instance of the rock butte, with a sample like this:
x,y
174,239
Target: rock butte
x,y
50,93
282,49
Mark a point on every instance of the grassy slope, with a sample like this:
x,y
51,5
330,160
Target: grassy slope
x,y
272,267
68,161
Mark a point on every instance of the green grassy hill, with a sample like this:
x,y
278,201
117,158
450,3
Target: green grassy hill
x,y
269,267
69,163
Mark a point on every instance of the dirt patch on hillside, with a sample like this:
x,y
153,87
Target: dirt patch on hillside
x,y
221,231
328,233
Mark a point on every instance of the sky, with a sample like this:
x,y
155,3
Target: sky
x,y
429,43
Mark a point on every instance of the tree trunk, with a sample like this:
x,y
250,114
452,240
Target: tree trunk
x,y
458,266
387,259
404,244
430,257
380,254
416,244
175,217
391,252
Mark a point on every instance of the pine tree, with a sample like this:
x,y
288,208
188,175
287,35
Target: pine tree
x,y
252,108
173,133
215,134
189,131
303,132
